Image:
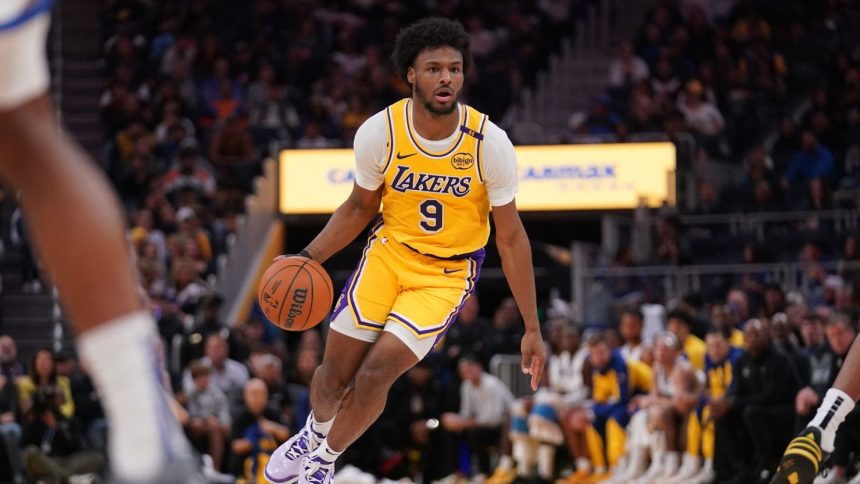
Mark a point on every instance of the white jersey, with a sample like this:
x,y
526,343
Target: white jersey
x,y
24,73
500,161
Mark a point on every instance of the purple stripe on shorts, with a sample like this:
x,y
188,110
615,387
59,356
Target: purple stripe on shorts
x,y
352,282
477,258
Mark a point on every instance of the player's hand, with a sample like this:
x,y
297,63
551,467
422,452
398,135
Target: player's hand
x,y
806,399
719,407
303,253
534,356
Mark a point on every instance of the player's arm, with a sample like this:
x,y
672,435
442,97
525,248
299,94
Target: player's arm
x,y
350,218
363,203
516,253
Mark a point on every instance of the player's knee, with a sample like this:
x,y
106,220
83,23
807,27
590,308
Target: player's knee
x,y
372,379
331,380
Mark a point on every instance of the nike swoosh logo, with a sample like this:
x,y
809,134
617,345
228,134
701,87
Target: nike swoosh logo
x,y
446,271
403,157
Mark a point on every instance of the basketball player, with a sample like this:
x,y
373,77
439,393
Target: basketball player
x,y
805,453
78,230
437,166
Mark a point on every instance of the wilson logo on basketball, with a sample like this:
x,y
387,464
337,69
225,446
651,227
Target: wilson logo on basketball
x,y
297,306
462,161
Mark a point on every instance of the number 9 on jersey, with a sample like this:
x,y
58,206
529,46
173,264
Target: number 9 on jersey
x,y
431,215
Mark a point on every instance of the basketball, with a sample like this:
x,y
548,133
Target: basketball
x,y
295,293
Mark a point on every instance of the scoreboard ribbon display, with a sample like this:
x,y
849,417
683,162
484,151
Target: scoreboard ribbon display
x,y
552,178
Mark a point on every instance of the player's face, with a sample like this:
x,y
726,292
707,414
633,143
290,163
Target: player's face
x,y
717,346
437,78
630,327
664,354
839,337
599,354
812,331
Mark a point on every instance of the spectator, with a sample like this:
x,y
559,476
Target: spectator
x,y
709,200
187,287
136,181
673,396
232,149
679,323
536,420
10,367
127,140
412,414
313,138
720,361
52,441
484,402
694,304
257,432
630,329
672,247
787,144
702,116
43,372
222,95
209,322
467,335
209,417
627,69
268,368
754,419
189,172
666,83
613,382
506,330
228,375
10,430
601,120
813,161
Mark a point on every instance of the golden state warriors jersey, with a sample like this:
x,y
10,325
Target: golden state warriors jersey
x,y
719,374
435,203
620,380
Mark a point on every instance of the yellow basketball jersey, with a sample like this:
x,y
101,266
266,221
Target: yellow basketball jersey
x,y
435,202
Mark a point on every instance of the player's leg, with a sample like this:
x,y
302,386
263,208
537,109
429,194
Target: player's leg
x,y
802,459
342,358
389,358
78,230
356,324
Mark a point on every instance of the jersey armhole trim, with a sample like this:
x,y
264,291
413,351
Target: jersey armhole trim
x,y
479,150
34,9
390,154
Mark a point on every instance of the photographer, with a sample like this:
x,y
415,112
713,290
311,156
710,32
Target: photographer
x,y
52,443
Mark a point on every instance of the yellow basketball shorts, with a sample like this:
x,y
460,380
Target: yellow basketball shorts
x,y
396,289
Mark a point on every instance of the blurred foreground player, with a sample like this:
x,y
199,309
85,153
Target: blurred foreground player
x,y
805,453
78,230
437,167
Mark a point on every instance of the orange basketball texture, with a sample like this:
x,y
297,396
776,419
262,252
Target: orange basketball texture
x,y
295,293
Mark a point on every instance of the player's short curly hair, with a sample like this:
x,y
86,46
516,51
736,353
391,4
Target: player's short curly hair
x,y
429,33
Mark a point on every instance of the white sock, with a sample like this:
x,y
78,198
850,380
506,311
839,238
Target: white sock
x,y
583,463
326,453
319,430
832,411
546,461
122,360
520,451
506,463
